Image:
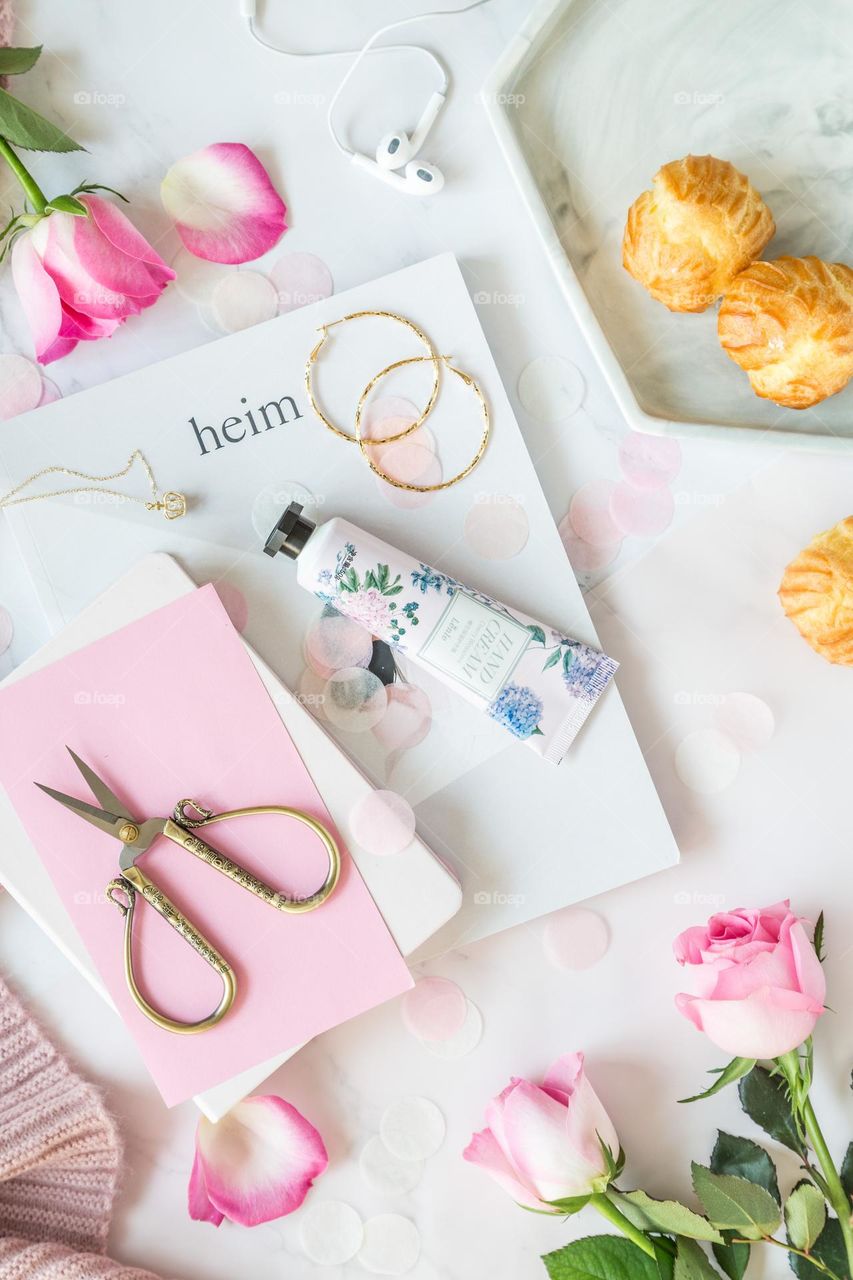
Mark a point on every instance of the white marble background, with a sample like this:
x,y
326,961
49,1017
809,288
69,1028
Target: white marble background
x,y
692,615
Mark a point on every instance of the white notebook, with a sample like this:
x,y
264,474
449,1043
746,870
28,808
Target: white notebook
x,y
523,837
414,891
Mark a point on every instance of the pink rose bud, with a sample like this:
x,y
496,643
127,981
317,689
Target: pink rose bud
x,y
758,986
79,278
544,1142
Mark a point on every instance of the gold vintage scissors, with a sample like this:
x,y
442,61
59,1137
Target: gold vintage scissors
x,y
137,837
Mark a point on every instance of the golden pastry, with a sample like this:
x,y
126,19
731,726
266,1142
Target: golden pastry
x,y
687,238
817,593
789,324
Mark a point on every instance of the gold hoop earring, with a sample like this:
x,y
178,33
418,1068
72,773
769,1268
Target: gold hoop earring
x,y
364,445
432,358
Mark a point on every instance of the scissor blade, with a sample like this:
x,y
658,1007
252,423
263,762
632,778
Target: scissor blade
x,y
109,822
99,789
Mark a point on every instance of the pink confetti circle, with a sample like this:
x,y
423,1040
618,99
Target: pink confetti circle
x,y
407,720
645,512
49,392
383,823
235,604
355,699
746,719
589,514
496,528
575,938
7,629
649,462
334,643
583,556
411,464
20,386
435,1009
383,408
301,278
393,426
311,691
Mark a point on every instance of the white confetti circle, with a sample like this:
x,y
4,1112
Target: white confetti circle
x,y
707,761
746,719
385,1172
551,388
300,279
575,938
273,500
465,1040
392,1245
355,699
20,386
332,1232
497,528
196,278
412,1128
242,299
383,822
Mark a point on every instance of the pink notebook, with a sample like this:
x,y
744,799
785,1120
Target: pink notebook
x,y
167,708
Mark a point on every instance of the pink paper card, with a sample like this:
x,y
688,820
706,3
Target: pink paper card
x,y
171,707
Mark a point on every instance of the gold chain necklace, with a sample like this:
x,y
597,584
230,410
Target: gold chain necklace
x,y
173,505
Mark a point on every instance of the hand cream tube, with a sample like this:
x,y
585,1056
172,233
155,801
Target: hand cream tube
x,y
537,683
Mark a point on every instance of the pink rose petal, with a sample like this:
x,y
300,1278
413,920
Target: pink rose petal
x,y
223,203
649,462
589,514
256,1164
383,823
40,300
644,512
20,386
407,720
434,1009
496,528
300,279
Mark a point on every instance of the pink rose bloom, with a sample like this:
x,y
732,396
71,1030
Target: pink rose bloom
x,y
758,986
79,278
543,1142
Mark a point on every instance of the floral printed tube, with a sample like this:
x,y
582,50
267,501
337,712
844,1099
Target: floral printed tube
x,y
538,684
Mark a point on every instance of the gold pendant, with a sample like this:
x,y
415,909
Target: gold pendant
x,y
173,505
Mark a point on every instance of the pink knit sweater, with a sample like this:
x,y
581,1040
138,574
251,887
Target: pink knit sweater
x,y
60,1158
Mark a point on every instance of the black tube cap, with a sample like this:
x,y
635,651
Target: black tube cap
x,y
291,533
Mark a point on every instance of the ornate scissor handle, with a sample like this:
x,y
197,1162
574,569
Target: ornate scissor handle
x,y
182,827
133,881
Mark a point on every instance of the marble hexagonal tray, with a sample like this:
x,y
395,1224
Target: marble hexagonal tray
x,y
587,103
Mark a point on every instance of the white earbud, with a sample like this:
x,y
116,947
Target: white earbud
x,y
418,179
397,149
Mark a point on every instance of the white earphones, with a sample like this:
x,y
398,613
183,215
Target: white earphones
x,y
396,151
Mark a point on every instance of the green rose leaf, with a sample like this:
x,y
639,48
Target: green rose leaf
x,y
571,1204
828,1248
805,1215
846,1173
745,1159
667,1216
67,204
601,1258
737,1067
819,928
13,62
733,1258
765,1100
734,1204
691,1263
25,128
